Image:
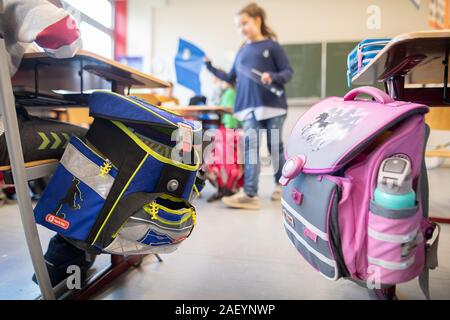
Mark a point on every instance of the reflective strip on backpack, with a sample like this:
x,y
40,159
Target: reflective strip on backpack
x,y
176,229
86,171
318,255
125,246
394,238
392,265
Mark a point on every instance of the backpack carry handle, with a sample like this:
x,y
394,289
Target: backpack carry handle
x,y
377,94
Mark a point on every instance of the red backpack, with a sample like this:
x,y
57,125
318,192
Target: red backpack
x,y
224,170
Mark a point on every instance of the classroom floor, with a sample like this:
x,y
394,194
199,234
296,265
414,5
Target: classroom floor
x,y
232,254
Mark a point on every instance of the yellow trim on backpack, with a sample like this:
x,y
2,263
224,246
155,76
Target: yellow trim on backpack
x,y
196,190
173,223
172,198
156,155
120,196
173,211
153,208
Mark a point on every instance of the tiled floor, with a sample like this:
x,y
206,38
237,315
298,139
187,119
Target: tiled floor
x,y
232,254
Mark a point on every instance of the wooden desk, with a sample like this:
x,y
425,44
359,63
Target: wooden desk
x,y
416,57
195,111
85,71
199,109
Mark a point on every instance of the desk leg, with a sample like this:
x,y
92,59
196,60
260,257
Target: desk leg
x,y
117,88
8,110
395,87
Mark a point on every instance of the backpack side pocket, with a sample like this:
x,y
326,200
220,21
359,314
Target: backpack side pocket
x,y
395,243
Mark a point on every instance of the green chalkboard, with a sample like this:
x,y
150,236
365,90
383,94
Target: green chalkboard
x,y
337,52
306,60
336,75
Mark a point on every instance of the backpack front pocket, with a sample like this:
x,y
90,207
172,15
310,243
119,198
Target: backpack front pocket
x,y
395,243
77,191
310,205
159,227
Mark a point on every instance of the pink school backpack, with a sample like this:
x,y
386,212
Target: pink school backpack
x,y
336,160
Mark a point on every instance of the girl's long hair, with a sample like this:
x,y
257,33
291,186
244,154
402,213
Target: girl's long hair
x,y
255,11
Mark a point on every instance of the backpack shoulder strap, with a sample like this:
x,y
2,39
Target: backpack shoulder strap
x,y
431,262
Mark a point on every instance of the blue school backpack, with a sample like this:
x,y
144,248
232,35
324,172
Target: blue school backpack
x,y
126,188
362,55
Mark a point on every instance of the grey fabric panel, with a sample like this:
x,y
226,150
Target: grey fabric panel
x,y
312,214
320,245
431,262
322,267
316,198
424,283
423,193
423,179
392,214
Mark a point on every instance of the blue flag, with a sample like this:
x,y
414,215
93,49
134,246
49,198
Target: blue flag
x,y
188,64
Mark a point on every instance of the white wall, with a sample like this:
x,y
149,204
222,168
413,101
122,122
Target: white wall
x,y
139,27
210,24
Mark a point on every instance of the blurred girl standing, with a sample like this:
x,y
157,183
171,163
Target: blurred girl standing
x,y
260,71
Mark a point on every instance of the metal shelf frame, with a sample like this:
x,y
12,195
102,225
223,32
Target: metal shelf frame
x,y
9,117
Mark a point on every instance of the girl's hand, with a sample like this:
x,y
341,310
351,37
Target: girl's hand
x,y
206,59
266,78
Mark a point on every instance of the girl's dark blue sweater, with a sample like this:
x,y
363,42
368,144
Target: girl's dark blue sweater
x,y
262,56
